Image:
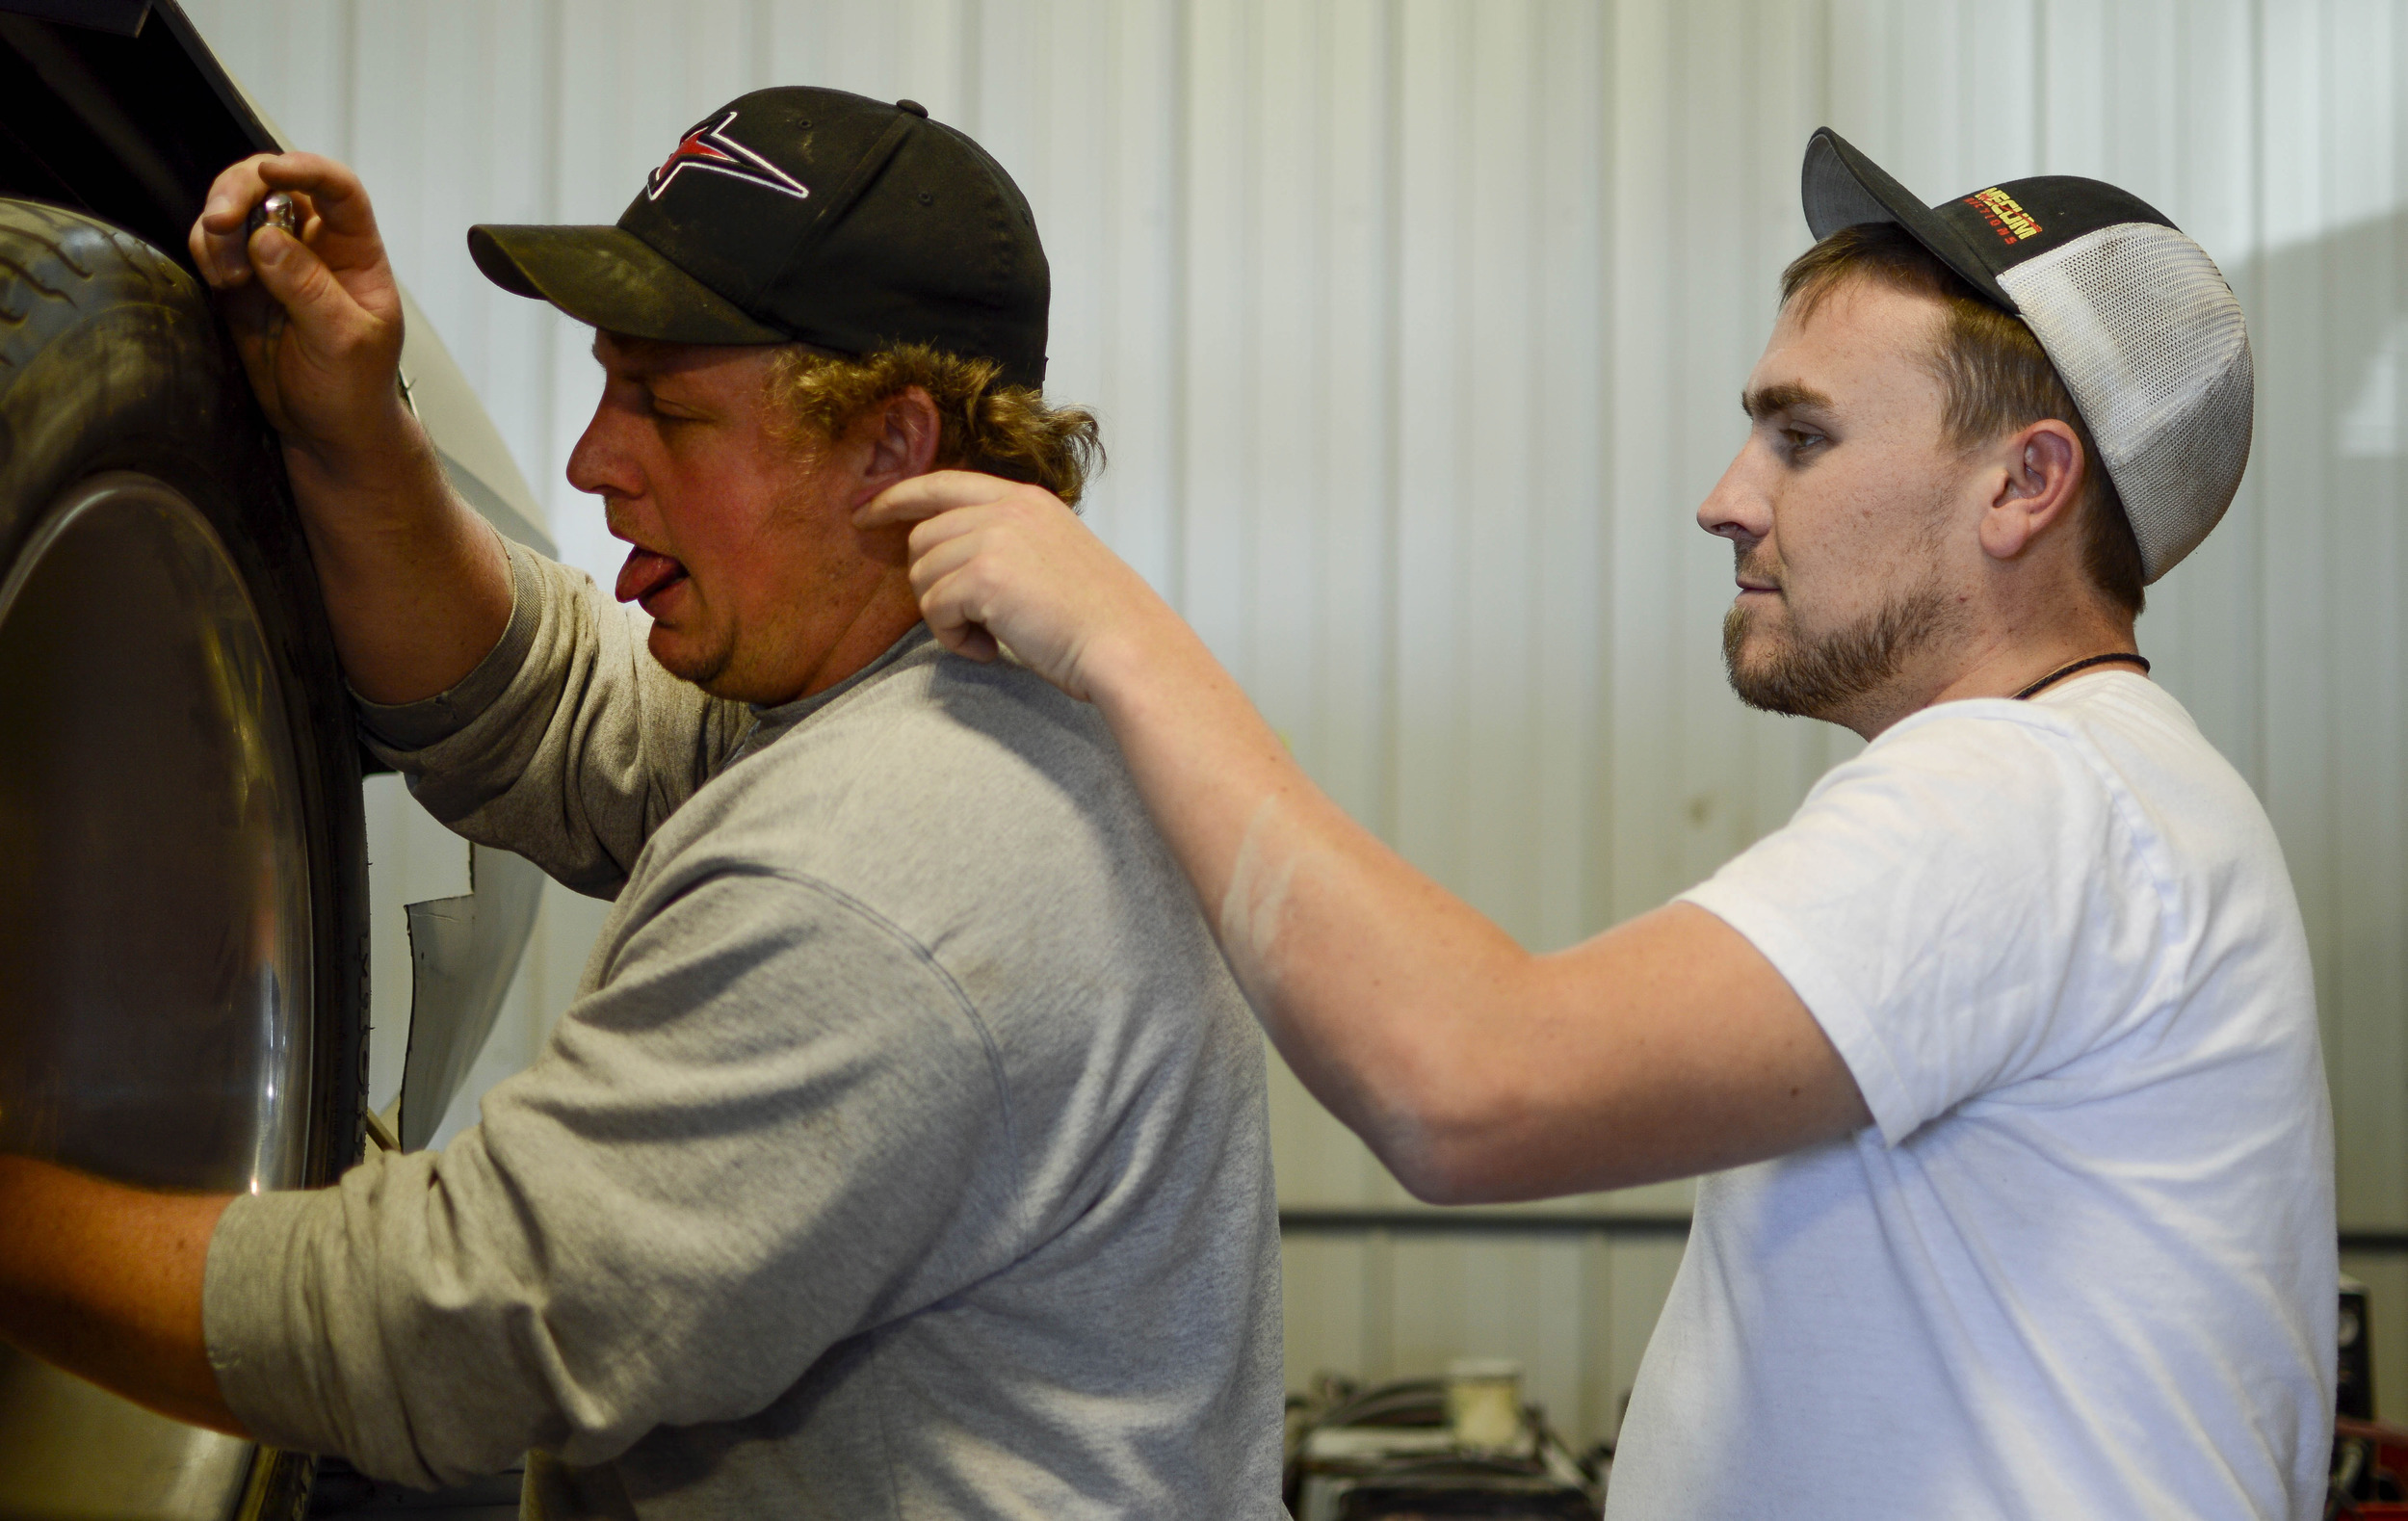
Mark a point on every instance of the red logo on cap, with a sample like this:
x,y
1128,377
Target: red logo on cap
x,y
2005,216
708,147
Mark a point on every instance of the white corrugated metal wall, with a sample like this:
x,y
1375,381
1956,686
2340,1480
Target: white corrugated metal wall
x,y
1416,328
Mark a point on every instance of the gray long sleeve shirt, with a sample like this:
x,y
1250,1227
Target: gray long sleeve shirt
x,y
902,1155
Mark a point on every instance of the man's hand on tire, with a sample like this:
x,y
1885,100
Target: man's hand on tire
x,y
417,587
318,318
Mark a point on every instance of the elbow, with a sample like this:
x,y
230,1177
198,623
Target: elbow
x,y
1444,1091
1457,1174
1443,1180
1451,1143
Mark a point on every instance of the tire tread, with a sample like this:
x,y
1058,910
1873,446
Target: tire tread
x,y
55,266
68,280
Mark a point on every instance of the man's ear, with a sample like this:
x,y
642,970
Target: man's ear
x,y
2043,470
903,435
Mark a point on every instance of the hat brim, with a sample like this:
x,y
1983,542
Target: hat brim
x,y
611,278
1841,188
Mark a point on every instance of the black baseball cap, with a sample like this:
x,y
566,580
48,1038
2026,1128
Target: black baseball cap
x,y
2138,320
811,215
1980,235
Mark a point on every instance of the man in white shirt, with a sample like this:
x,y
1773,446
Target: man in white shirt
x,y
2006,1041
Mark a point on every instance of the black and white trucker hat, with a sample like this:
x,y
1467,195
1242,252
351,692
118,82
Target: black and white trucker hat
x,y
801,214
2134,315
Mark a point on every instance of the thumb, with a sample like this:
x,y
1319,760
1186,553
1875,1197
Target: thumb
x,y
294,276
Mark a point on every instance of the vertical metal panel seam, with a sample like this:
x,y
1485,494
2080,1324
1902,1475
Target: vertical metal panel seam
x,y
2386,1161
2389,470
2391,477
2335,805
1675,210
973,66
1316,265
1108,260
1183,106
1464,85
2262,742
1597,881
2040,56
1825,86
1379,1306
2245,685
1389,483
1249,653
548,106
2328,760
347,30
1534,602
1821,73
1596,1335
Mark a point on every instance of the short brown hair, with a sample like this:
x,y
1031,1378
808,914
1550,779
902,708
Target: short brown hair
x,y
1994,377
1003,430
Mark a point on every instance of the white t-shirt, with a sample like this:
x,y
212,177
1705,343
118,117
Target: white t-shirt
x,y
2083,1263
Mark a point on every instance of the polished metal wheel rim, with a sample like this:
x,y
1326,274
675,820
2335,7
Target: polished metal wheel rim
x,y
155,935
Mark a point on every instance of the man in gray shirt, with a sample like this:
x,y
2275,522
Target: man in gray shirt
x,y
903,1153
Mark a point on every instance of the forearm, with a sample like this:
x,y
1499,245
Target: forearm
x,y
105,1281
1477,1072
417,587
1382,990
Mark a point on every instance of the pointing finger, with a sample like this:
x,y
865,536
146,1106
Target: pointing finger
x,y
237,189
217,235
924,496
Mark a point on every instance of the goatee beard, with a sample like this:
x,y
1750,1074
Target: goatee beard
x,y
1815,680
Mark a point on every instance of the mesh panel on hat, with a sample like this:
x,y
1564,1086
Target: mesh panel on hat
x,y
2152,345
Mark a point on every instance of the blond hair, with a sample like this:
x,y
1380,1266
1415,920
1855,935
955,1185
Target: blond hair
x,y
1001,430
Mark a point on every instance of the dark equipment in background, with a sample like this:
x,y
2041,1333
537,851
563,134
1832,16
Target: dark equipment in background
x,y
2370,1458
2353,1390
1391,1453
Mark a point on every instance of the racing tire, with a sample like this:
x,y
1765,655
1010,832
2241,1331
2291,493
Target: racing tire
x,y
134,461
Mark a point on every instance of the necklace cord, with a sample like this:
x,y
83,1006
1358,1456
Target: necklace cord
x,y
2084,663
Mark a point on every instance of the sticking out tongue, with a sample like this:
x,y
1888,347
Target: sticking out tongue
x,y
646,573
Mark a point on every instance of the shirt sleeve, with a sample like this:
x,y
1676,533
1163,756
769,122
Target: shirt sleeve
x,y
1968,906
776,1126
569,744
